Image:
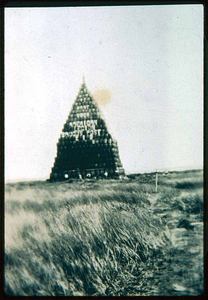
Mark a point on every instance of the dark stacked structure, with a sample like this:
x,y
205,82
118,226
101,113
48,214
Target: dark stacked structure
x,y
85,148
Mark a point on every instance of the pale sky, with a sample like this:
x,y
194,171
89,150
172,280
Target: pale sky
x,y
148,59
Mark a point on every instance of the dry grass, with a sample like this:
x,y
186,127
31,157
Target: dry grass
x,y
86,238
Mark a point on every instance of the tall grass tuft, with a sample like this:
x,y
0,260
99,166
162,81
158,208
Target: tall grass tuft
x,y
79,243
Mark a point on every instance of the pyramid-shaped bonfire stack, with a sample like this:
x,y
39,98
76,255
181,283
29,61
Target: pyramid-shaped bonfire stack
x,y
85,147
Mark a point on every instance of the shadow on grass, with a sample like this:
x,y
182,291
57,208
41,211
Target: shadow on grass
x,y
189,184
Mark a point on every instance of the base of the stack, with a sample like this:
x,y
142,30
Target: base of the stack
x,y
87,173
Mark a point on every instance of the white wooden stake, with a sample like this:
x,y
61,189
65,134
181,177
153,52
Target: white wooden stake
x,y
156,182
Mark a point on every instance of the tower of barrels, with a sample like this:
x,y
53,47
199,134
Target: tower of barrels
x,y
85,148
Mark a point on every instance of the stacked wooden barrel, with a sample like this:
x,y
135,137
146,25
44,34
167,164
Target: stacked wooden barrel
x,y
85,147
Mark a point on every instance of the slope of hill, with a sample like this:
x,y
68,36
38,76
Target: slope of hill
x,y
105,237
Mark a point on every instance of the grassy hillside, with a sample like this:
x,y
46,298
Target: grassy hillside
x,y
105,237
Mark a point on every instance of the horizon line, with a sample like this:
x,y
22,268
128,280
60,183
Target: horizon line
x,y
127,172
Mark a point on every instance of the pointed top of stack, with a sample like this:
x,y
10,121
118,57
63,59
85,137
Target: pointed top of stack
x,y
83,86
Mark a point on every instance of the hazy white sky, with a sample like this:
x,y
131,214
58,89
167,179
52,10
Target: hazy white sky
x,y
149,59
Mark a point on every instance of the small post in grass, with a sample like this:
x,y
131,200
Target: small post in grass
x,y
156,177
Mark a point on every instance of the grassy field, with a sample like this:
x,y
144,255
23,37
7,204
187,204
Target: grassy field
x,y
105,237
